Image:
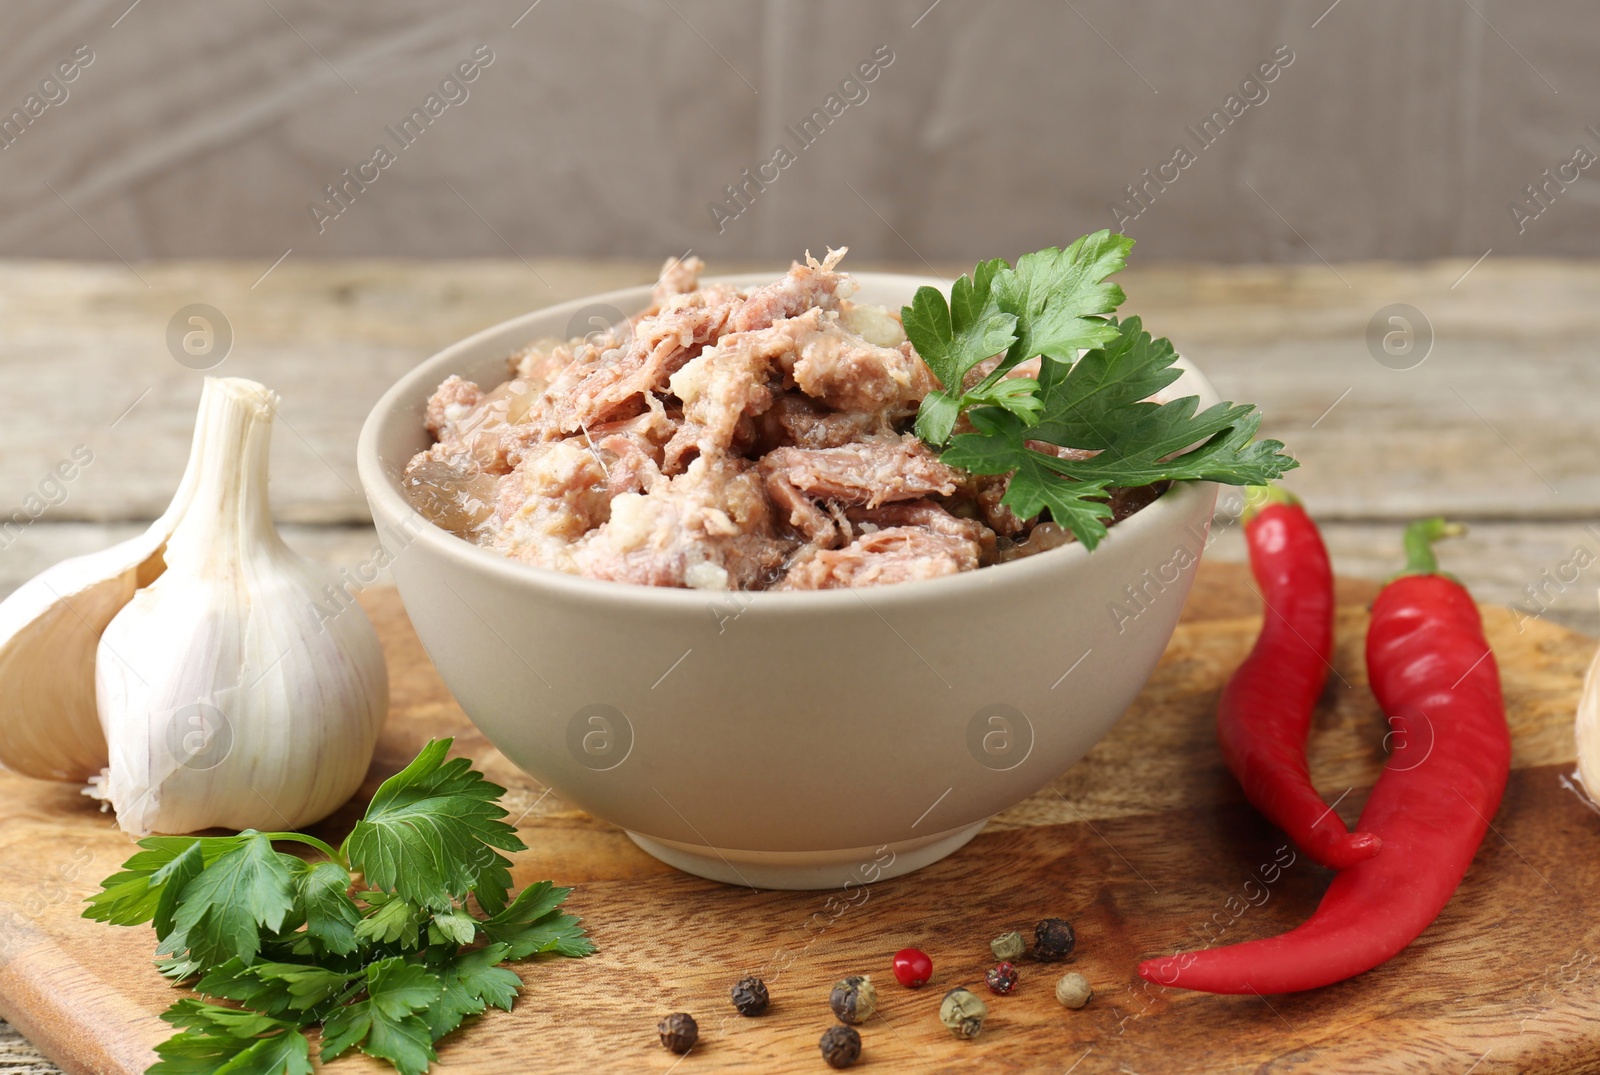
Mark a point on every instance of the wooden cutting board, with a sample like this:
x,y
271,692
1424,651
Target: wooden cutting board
x,y
1146,846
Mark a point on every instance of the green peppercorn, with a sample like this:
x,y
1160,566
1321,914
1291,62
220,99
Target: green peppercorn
x,y
1053,940
679,1032
854,999
1008,947
963,1011
1073,990
750,996
841,1046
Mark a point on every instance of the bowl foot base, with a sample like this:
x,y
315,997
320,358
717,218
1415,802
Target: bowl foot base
x,y
807,870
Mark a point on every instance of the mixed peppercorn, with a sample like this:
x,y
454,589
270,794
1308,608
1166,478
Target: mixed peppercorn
x,y
750,996
912,968
1053,940
841,1046
854,999
1002,978
679,1032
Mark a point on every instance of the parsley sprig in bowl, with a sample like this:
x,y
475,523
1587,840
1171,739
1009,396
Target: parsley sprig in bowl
x,y
1096,377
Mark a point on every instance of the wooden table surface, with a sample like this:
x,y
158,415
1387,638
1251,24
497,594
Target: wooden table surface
x,y
1146,845
1496,426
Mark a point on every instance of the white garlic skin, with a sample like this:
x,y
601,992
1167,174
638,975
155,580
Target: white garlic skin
x,y
1587,731
226,697
50,630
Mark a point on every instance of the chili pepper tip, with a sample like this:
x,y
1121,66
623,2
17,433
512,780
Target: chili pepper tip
x,y
1351,848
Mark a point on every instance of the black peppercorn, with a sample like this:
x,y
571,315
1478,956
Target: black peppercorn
x,y
854,999
750,996
679,1032
841,1046
1053,940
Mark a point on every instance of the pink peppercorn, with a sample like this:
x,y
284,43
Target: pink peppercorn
x,y
912,968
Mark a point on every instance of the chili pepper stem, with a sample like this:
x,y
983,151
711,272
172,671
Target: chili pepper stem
x,y
1419,539
1257,498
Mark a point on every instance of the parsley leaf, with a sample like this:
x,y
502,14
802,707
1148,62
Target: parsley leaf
x,y
1084,404
1097,401
216,1019
279,944
1057,295
130,898
173,878
471,983
954,338
1001,448
221,912
455,925
194,1052
276,989
1228,456
331,915
430,832
1050,305
386,1024
531,926
392,921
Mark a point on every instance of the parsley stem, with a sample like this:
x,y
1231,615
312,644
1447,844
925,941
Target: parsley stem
x,y
312,841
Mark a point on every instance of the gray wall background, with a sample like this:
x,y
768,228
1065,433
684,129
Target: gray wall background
x,y
607,127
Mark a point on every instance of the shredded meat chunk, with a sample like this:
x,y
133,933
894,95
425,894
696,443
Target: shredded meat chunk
x,y
812,285
796,420
725,437
896,554
724,385
679,276
867,472
710,527
847,373
926,514
473,425
451,401
554,496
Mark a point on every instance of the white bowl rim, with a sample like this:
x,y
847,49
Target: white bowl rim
x,y
383,492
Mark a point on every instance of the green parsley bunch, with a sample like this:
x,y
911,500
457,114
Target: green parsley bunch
x,y
286,944
1096,376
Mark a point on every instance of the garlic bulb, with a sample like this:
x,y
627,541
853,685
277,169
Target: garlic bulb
x,y
227,698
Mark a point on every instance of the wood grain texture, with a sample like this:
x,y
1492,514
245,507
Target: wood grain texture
x,y
1146,845
1497,423
609,126
1500,560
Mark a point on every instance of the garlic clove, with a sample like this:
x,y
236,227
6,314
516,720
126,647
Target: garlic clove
x,y
226,695
1588,731
50,628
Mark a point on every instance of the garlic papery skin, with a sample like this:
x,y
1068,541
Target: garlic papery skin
x,y
50,629
227,696
1587,729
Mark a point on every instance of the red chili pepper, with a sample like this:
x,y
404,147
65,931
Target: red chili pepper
x,y
1265,710
1432,671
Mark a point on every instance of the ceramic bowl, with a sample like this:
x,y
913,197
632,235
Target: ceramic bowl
x,y
782,740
